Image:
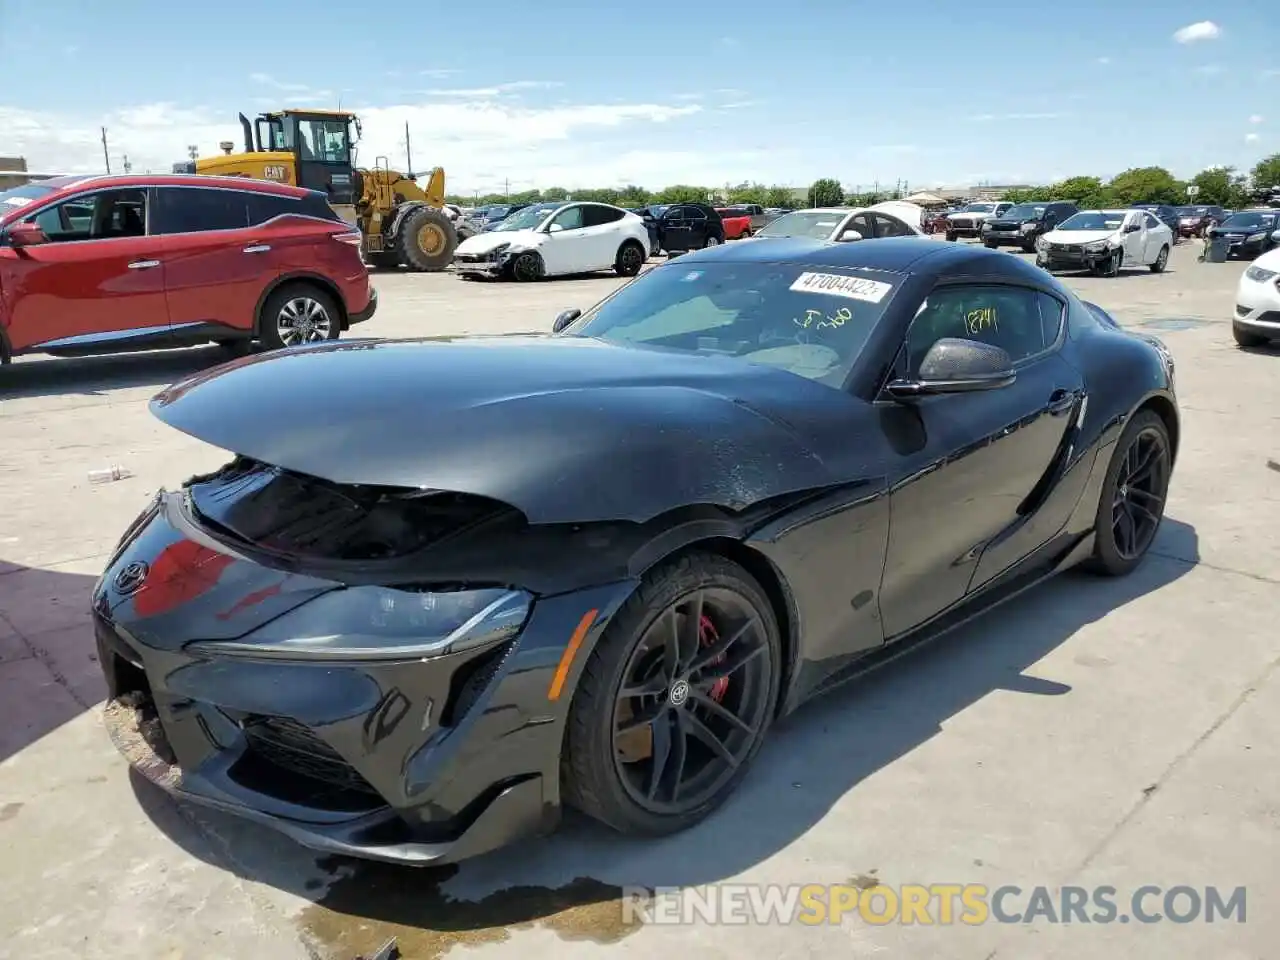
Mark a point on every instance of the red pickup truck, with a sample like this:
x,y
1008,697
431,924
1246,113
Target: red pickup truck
x,y
737,222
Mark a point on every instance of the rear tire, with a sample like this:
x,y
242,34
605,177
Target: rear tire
x,y
630,259
951,237
605,770
296,314
1131,507
990,244
1162,261
426,240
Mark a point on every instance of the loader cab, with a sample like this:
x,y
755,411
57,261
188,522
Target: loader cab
x,y
323,148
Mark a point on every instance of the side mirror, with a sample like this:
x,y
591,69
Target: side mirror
x,y
1133,228
555,228
850,235
1275,236
564,319
953,365
26,235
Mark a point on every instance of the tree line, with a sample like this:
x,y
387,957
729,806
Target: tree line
x,y
1225,186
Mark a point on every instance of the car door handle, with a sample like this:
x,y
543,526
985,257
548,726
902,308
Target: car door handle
x,y
144,264
1061,402
257,248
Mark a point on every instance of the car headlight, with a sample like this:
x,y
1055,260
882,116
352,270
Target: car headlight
x,y
1100,246
499,250
1028,227
1260,275
1042,244
380,623
1255,236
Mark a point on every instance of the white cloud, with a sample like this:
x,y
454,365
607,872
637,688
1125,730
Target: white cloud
x,y
488,93
1202,30
1255,119
740,104
1104,60
437,73
1250,138
1004,117
579,144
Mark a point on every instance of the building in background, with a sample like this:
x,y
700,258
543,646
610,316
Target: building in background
x,y
14,173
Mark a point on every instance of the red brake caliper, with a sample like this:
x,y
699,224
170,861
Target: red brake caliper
x,y
707,635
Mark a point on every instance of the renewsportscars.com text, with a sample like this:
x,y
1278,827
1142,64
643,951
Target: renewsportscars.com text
x,y
931,904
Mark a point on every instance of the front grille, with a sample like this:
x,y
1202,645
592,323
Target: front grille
x,y
963,223
293,747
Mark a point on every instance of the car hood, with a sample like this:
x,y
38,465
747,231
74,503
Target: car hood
x,y
492,239
1078,236
564,429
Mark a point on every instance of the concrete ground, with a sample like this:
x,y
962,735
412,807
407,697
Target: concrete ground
x,y
1095,732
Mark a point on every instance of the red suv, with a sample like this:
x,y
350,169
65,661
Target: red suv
x,y
108,263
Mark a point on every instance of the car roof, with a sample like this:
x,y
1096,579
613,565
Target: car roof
x,y
110,180
893,254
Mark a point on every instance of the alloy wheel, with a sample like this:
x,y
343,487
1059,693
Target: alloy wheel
x,y
303,320
1141,485
632,259
1162,259
693,701
712,242
526,267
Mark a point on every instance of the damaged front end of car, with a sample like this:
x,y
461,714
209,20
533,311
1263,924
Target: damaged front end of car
x,y
285,648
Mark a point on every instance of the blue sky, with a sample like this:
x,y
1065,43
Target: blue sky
x,y
659,93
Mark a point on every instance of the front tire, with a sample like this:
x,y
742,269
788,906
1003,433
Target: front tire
x,y
427,240
298,314
527,267
675,700
1131,506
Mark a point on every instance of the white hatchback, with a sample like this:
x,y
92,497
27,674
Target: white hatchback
x,y
1257,318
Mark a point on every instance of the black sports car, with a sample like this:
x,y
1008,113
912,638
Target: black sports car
x,y
505,574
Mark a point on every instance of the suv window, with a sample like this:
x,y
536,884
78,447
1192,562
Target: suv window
x,y
267,206
570,218
1020,321
598,216
98,216
695,213
200,209
887,226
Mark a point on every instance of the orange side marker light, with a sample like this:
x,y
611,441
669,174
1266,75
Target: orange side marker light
x,y
571,651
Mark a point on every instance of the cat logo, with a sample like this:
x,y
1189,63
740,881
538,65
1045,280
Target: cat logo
x,y
275,171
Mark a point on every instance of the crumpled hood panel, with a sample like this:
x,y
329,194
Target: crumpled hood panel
x,y
564,429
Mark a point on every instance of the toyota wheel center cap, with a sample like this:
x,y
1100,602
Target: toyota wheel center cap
x,y
679,693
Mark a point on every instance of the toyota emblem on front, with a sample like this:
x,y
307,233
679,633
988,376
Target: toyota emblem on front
x,y
130,577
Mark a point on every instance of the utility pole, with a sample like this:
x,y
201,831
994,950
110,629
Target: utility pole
x,y
105,155
193,151
128,167
506,188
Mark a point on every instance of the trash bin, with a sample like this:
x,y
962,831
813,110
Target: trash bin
x,y
1215,250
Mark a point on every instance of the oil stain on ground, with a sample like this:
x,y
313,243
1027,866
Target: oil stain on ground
x,y
370,903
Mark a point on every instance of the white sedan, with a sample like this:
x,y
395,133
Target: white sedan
x,y
1257,318
892,218
556,240
1104,241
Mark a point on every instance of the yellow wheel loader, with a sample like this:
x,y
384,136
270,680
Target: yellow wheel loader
x,y
401,222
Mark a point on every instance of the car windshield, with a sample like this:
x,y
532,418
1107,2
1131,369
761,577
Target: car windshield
x,y
16,197
1192,211
1024,211
1093,220
1254,220
812,324
814,224
979,208
528,217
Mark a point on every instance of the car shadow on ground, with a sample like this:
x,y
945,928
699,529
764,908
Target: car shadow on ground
x,y
575,881
49,672
95,376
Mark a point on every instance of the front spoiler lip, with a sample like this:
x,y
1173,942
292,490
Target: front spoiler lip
x,y
518,811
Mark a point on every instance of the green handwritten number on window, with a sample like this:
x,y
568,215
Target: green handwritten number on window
x,y
981,319
819,320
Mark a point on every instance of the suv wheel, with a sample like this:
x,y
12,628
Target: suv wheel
x,y
296,314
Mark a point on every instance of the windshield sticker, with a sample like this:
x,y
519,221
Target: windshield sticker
x,y
691,276
821,320
840,285
984,318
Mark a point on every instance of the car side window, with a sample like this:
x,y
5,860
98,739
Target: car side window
x,y
267,206
861,223
695,213
1011,318
1152,222
598,216
887,226
105,215
200,209
570,218
674,214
